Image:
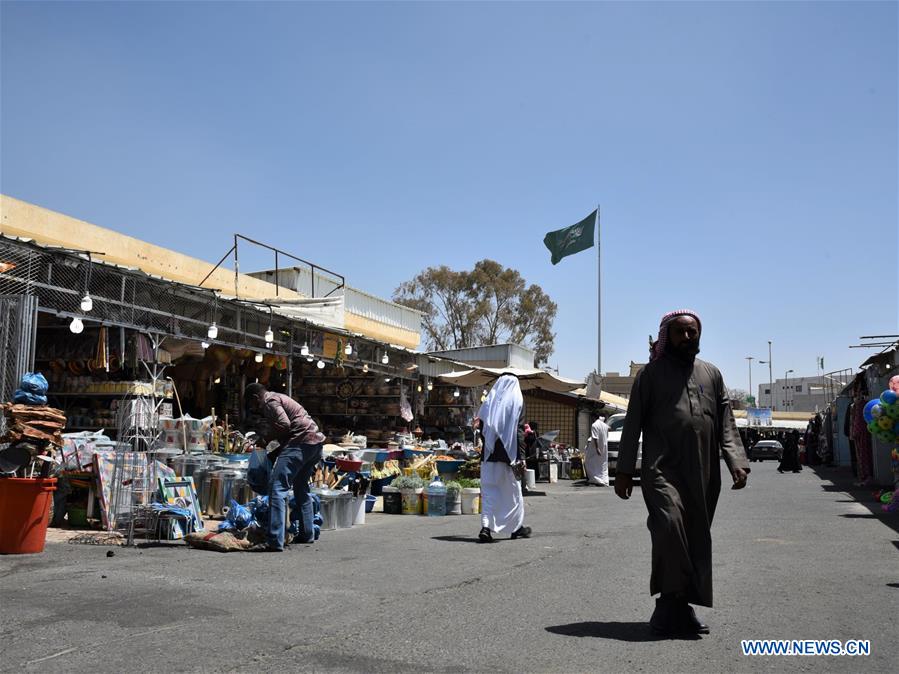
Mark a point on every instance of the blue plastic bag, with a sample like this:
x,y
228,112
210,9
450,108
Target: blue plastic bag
x,y
34,382
259,471
240,516
259,507
21,397
32,390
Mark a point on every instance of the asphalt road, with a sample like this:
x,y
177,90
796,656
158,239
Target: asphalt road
x,y
796,557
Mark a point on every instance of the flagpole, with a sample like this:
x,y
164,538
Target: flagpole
x,y
598,299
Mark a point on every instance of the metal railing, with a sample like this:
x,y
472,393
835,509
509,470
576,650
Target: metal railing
x,y
278,254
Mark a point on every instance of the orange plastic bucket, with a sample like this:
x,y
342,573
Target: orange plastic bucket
x,y
24,514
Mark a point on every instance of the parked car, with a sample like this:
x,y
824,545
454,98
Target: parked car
x,y
616,426
766,449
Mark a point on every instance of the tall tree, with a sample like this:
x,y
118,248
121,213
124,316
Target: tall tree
x,y
738,398
490,304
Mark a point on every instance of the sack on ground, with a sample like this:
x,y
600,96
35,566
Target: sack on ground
x,y
218,541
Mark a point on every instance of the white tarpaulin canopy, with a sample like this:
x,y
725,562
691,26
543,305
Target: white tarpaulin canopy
x,y
328,312
529,378
776,425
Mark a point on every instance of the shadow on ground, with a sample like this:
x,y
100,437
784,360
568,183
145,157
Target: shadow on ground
x,y
619,631
456,539
842,480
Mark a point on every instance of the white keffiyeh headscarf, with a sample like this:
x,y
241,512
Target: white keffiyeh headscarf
x,y
500,414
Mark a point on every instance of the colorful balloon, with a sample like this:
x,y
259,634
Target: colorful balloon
x,y
867,411
888,397
872,426
892,411
885,423
894,383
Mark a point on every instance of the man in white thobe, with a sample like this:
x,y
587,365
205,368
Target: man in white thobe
x,y
596,454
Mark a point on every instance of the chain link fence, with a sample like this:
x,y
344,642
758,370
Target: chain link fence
x,y
59,279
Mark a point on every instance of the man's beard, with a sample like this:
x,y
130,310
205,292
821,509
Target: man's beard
x,y
687,350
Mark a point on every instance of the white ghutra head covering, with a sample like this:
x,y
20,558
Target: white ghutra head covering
x,y
500,414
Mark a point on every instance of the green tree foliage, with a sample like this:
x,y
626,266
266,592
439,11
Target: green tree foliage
x,y
490,304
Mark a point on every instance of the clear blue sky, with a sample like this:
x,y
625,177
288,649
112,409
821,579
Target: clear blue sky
x,y
745,154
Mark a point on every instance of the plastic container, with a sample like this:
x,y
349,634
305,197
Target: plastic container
x,y
346,512
411,501
449,467
25,514
370,503
454,503
358,510
348,465
436,492
471,500
416,453
530,478
393,501
377,486
328,511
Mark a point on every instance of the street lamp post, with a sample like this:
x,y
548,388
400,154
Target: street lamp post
x,y
750,359
770,378
786,386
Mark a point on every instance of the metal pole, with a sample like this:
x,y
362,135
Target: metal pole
x,y
236,275
770,377
598,298
750,359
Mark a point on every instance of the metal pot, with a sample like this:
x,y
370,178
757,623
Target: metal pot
x,y
220,486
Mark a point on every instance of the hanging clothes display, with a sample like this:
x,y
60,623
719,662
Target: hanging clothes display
x,y
860,435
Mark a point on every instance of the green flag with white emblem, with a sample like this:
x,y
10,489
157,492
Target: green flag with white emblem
x,y
571,240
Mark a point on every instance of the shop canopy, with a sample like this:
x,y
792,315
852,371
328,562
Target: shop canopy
x,y
529,378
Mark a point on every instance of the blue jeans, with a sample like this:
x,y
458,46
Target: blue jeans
x,y
293,468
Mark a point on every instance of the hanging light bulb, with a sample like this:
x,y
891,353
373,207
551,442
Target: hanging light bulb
x,y
484,398
76,325
218,380
385,359
269,335
269,345
419,388
205,345
365,368
86,303
320,364
304,350
258,357
309,358
213,331
456,393
430,386
348,349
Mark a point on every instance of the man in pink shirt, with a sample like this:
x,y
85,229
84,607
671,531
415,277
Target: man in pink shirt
x,y
299,451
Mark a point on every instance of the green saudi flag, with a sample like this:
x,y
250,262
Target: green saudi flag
x,y
571,240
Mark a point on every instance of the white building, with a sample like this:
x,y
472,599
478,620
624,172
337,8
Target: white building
x,y
802,394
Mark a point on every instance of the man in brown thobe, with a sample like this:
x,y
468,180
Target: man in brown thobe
x,y
680,405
